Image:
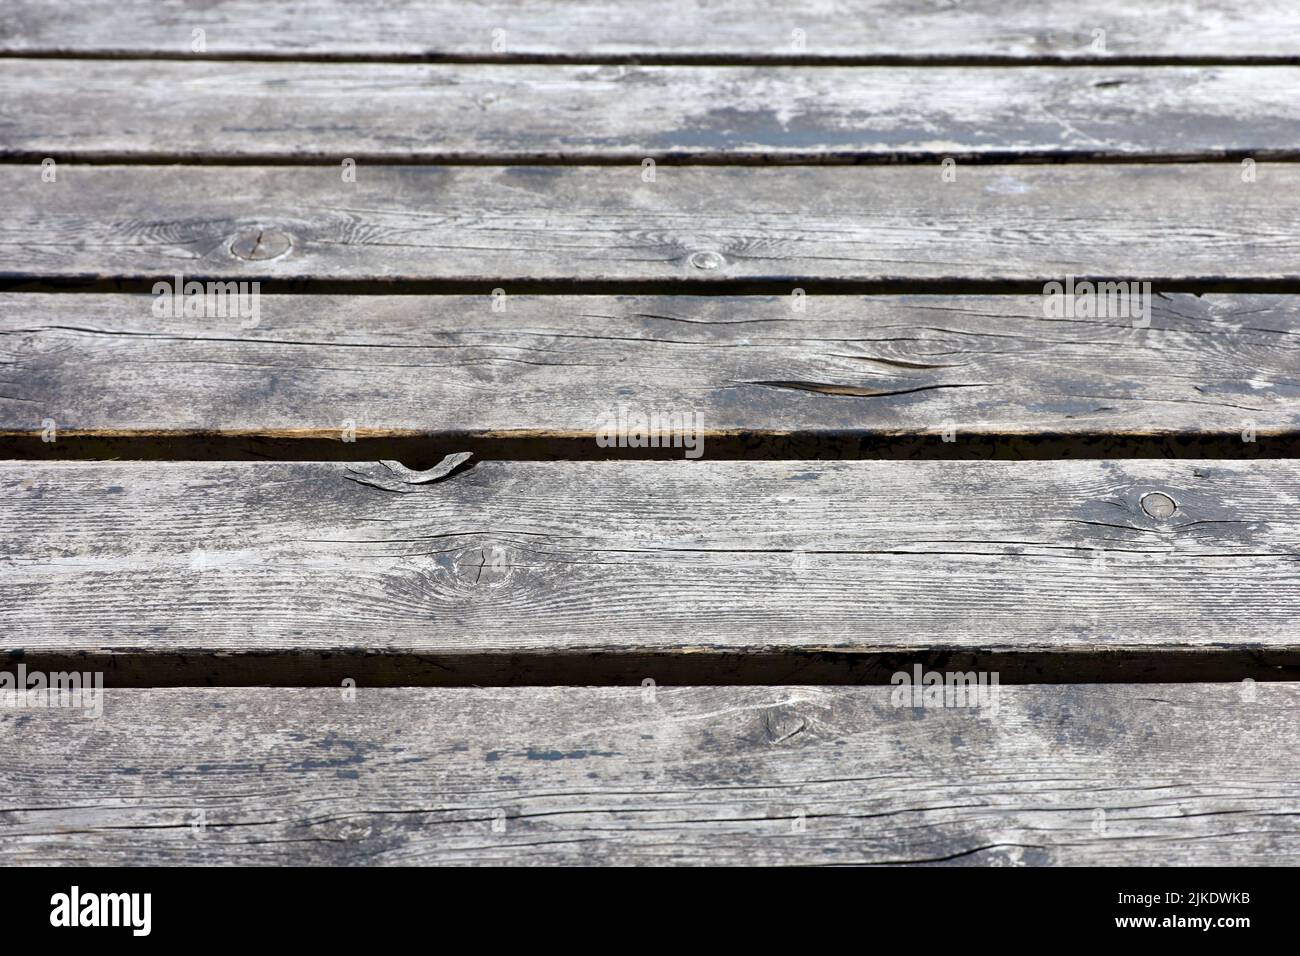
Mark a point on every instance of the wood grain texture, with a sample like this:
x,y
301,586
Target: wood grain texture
x,y
1138,775
120,111
883,372
267,572
854,30
693,228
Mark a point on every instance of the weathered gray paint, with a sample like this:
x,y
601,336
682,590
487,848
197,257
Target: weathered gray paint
x,y
504,227
477,571
1084,774
996,370
186,111
297,570
669,29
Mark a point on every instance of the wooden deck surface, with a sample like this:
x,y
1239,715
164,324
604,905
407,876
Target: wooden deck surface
x,y
1062,774
366,580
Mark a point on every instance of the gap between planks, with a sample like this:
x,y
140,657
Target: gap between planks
x,y
683,160
973,61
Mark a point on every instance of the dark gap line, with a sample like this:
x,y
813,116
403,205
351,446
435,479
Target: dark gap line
x,y
425,451
659,286
156,667
680,159
650,58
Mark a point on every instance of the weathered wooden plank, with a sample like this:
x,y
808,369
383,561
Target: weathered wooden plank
x,y
1105,774
940,375
670,30
555,572
698,227
120,111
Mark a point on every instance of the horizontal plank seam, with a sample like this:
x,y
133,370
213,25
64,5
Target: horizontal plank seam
x,y
423,451
655,59
722,667
72,284
634,158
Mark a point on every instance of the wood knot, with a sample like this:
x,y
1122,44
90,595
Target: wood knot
x,y
260,244
707,260
486,566
780,723
394,476
1158,505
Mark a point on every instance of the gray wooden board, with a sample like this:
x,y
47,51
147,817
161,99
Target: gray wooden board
x,y
267,572
990,370
692,227
118,111
1185,774
670,29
